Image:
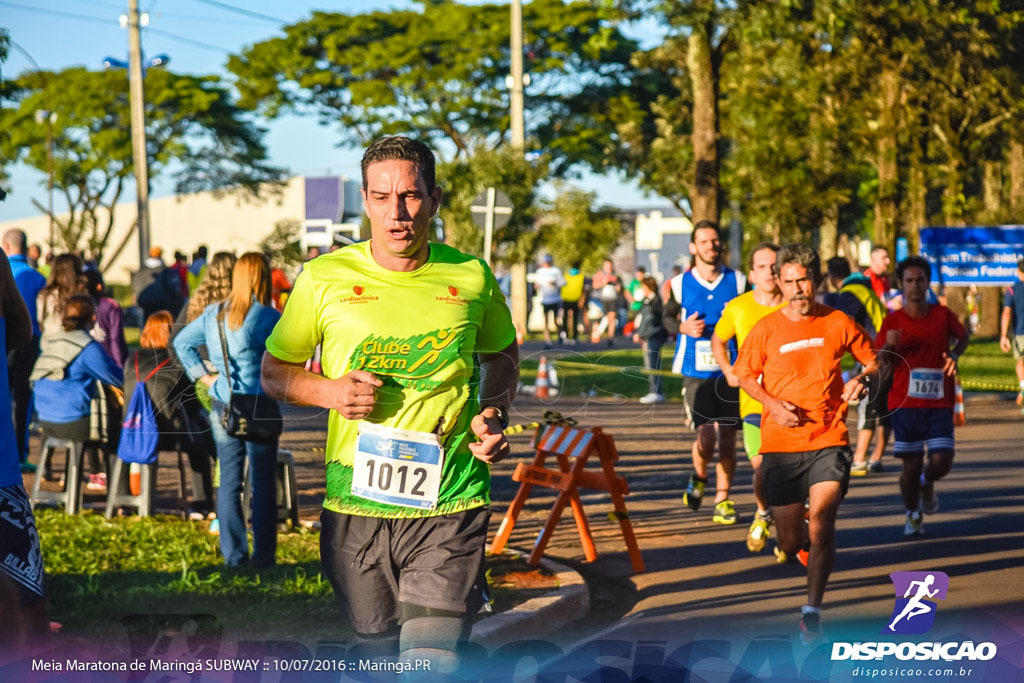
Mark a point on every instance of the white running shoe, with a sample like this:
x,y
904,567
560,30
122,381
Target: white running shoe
x,y
652,398
915,524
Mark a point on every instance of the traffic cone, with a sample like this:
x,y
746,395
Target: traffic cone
x,y
542,378
959,414
135,478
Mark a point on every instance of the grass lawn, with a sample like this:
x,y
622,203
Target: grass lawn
x,y
620,372
99,572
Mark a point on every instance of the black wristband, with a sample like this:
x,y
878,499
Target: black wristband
x,y
502,414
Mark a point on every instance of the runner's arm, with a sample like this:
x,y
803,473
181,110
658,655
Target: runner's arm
x,y
499,379
352,395
721,354
1004,329
672,313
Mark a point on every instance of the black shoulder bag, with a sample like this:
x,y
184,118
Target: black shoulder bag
x,y
250,417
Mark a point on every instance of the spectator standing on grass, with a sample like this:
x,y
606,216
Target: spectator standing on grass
x,y
109,328
549,282
573,303
246,318
1011,327
633,294
21,359
650,332
24,627
607,288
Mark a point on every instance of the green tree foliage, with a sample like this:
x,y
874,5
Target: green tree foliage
x,y
507,170
576,232
284,246
194,130
437,72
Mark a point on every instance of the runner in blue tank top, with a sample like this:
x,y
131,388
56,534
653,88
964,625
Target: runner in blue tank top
x,y
693,309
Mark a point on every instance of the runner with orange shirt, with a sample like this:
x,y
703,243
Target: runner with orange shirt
x,y
797,351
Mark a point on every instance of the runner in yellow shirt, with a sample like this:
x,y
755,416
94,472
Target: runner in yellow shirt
x,y
738,318
419,356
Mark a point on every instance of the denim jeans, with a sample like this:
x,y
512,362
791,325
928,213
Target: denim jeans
x,y
232,453
652,361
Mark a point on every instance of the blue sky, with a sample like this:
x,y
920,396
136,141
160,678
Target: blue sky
x,y
198,35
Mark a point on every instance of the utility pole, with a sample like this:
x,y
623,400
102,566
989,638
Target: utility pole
x,y
138,129
517,271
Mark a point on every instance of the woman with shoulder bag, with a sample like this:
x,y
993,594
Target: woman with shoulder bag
x,y
246,422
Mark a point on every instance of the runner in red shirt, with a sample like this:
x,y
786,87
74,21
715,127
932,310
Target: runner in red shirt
x,y
915,341
790,363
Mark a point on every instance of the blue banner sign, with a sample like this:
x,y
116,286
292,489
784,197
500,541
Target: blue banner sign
x,y
973,256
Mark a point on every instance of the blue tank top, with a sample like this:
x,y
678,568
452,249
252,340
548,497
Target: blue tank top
x,y
693,356
10,463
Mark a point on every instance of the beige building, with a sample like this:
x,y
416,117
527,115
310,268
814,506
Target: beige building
x,y
227,221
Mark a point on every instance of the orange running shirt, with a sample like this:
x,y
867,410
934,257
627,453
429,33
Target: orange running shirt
x,y
800,363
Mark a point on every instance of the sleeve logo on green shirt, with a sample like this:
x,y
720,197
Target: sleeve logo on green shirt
x,y
409,358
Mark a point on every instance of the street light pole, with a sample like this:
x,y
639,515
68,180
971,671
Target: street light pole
x,y
517,271
138,129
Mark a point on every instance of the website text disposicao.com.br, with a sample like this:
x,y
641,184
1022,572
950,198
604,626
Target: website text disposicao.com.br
x,y
936,672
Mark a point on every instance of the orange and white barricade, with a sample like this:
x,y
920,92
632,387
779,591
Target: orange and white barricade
x,y
571,448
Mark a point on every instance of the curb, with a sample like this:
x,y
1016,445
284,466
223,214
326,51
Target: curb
x,y
538,616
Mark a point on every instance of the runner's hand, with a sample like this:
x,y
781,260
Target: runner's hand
x,y
356,392
1004,344
731,377
783,412
493,446
692,326
892,338
949,366
853,390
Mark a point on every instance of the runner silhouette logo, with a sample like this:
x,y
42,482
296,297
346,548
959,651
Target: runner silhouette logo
x,y
916,593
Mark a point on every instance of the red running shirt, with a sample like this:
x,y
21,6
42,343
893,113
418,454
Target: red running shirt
x,y
917,360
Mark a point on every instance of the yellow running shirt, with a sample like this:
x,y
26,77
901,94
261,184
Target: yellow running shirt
x,y
417,332
738,319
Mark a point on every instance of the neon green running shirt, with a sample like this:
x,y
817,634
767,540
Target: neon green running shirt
x,y
417,332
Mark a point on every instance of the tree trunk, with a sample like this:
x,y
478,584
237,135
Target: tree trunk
x,y
1016,168
917,192
828,233
992,189
953,195
886,206
704,199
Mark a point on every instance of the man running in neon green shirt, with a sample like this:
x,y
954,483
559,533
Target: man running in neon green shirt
x,y
419,356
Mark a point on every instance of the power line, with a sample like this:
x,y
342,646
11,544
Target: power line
x,y
183,39
58,13
239,10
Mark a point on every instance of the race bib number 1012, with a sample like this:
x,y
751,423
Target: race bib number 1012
x,y
397,466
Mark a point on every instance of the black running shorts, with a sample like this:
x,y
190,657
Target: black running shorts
x,y
375,564
712,400
20,557
788,477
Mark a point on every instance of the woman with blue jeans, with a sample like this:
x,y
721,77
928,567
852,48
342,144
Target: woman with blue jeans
x,y
248,319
